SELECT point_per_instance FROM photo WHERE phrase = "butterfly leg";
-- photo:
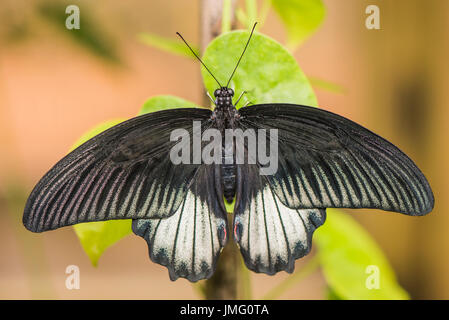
(241, 95)
(210, 98)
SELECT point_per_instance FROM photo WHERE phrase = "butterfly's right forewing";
(323, 160)
(328, 161)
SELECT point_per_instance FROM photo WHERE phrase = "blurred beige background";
(52, 90)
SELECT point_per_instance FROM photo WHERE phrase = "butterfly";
(323, 161)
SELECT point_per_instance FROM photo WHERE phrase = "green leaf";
(350, 259)
(229, 206)
(267, 72)
(165, 102)
(96, 237)
(174, 46)
(292, 280)
(331, 295)
(301, 18)
(94, 131)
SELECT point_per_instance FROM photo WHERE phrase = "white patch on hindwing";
(188, 242)
(271, 235)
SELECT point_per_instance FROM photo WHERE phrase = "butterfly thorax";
(225, 112)
(225, 115)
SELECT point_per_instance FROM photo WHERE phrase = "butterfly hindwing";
(189, 242)
(328, 161)
(271, 236)
(122, 173)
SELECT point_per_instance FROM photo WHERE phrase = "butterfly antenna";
(238, 62)
(199, 59)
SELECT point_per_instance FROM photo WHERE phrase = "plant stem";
(294, 279)
(251, 11)
(211, 19)
(226, 16)
(264, 12)
(223, 284)
(245, 282)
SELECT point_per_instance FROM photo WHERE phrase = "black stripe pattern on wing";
(122, 173)
(326, 160)
(270, 235)
(189, 242)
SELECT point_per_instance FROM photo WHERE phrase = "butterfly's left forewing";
(123, 173)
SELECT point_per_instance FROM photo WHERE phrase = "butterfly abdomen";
(228, 172)
(228, 178)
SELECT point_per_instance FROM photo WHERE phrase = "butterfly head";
(224, 92)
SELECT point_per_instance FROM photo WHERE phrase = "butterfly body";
(225, 115)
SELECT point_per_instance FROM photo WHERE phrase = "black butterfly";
(325, 161)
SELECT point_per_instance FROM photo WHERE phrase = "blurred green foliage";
(301, 18)
(165, 102)
(90, 35)
(173, 46)
(350, 259)
(326, 85)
